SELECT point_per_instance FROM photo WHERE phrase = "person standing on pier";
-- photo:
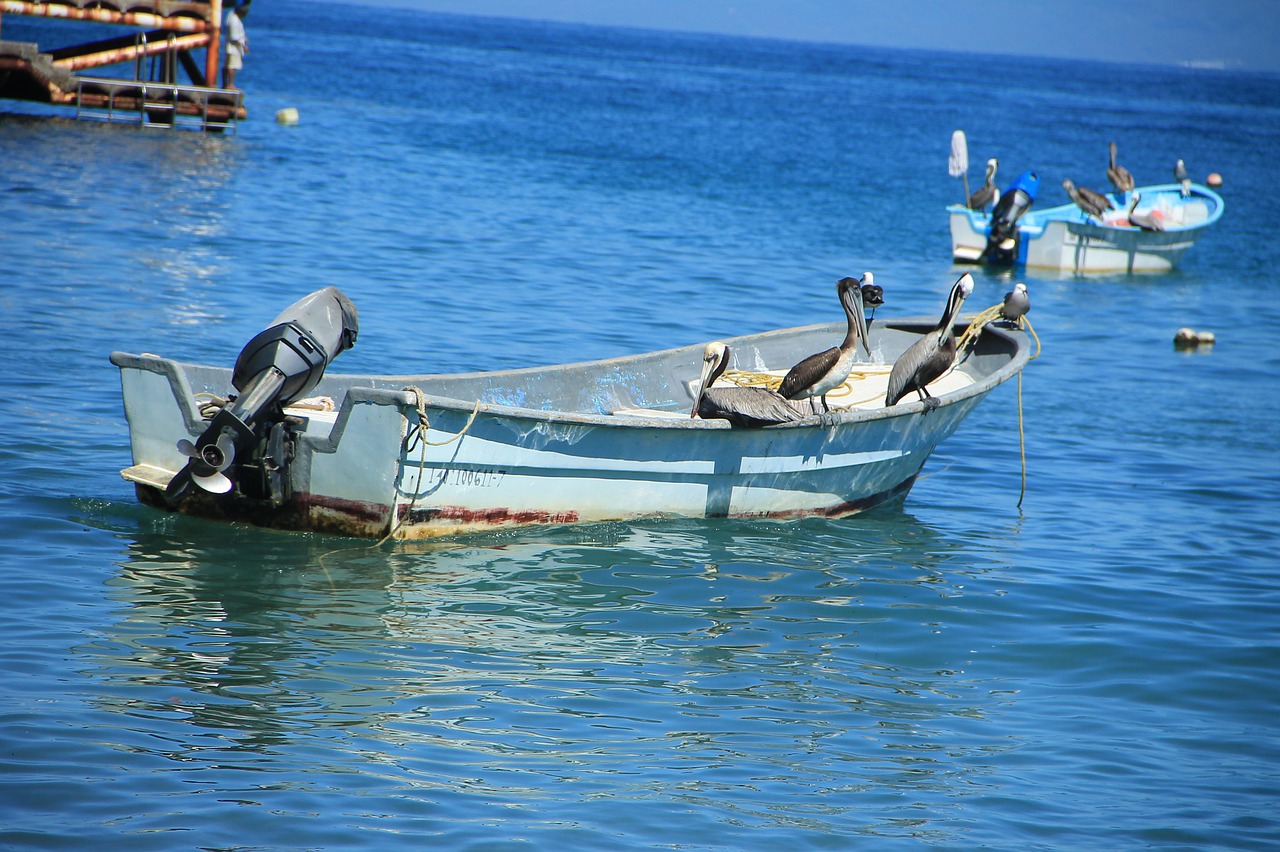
(237, 44)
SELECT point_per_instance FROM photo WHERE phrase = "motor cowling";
(250, 438)
(1002, 239)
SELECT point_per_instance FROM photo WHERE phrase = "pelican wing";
(926, 360)
(982, 196)
(748, 407)
(805, 374)
(1096, 200)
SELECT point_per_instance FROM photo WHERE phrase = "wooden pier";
(166, 38)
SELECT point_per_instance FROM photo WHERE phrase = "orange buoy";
(1214, 180)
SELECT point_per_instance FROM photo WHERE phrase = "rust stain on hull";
(305, 513)
(440, 521)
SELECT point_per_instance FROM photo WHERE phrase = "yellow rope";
(419, 437)
(749, 379)
(1027, 322)
(1022, 444)
(1022, 439)
(209, 404)
(967, 339)
(976, 325)
(752, 379)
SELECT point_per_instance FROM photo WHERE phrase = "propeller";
(215, 458)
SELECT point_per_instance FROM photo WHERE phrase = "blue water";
(1095, 670)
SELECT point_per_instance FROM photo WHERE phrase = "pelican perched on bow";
(1118, 174)
(821, 372)
(988, 193)
(1092, 203)
(1148, 221)
(1017, 303)
(750, 407)
(931, 355)
(1180, 175)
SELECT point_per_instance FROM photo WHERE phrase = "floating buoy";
(288, 115)
(1214, 180)
(1189, 338)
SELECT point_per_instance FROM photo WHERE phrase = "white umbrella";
(958, 165)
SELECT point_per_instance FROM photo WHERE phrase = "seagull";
(750, 407)
(931, 355)
(1092, 203)
(1148, 221)
(1016, 303)
(820, 373)
(872, 297)
(1180, 175)
(1118, 174)
(987, 193)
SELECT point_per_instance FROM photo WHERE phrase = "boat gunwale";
(1071, 214)
(407, 398)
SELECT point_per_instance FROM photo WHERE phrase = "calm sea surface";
(1097, 670)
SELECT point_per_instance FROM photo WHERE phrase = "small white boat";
(419, 456)
(1065, 238)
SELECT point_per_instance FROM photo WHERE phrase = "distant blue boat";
(1066, 238)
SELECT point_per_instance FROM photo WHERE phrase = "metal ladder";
(157, 104)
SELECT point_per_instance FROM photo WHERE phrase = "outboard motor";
(1002, 240)
(251, 437)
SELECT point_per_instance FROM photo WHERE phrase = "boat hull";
(429, 456)
(1064, 239)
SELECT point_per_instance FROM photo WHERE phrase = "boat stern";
(323, 483)
(969, 230)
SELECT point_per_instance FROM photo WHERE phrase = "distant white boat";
(1065, 238)
(419, 456)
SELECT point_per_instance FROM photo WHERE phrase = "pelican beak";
(860, 319)
(714, 359)
(857, 308)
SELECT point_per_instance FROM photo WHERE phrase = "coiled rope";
(753, 379)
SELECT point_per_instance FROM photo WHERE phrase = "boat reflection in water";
(492, 666)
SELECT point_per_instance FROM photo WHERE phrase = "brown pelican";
(819, 373)
(1118, 174)
(931, 355)
(1093, 203)
(750, 407)
(1146, 221)
(1180, 175)
(1016, 303)
(987, 193)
